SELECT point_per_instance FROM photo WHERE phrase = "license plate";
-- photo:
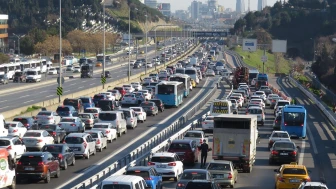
(180, 153)
(29, 141)
(161, 166)
(74, 149)
(218, 176)
(284, 154)
(294, 180)
(29, 168)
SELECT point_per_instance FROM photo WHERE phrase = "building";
(151, 3)
(195, 10)
(3, 32)
(164, 8)
(261, 4)
(240, 6)
(181, 14)
(213, 4)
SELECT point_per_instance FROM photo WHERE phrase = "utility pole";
(104, 61)
(146, 44)
(60, 50)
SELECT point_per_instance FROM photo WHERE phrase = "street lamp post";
(146, 44)
(165, 46)
(104, 39)
(18, 37)
(60, 49)
(171, 39)
(129, 45)
(155, 40)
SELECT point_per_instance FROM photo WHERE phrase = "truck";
(87, 71)
(194, 61)
(241, 75)
(235, 139)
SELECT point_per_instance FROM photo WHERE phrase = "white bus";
(185, 79)
(221, 107)
(192, 72)
(170, 92)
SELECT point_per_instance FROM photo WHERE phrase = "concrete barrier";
(52, 104)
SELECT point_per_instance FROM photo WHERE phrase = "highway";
(117, 149)
(40, 92)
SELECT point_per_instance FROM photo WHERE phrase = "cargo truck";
(241, 75)
(234, 139)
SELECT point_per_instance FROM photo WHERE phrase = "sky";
(184, 4)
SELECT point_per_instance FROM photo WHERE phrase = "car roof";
(139, 168)
(34, 131)
(93, 131)
(294, 166)
(195, 131)
(121, 179)
(34, 153)
(77, 134)
(220, 161)
(315, 184)
(280, 132)
(23, 117)
(184, 141)
(254, 107)
(195, 170)
(103, 123)
(159, 154)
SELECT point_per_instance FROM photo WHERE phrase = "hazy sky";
(184, 4)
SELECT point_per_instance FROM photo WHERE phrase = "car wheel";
(231, 186)
(88, 155)
(94, 152)
(47, 179)
(65, 165)
(58, 140)
(73, 161)
(142, 121)
(106, 145)
(100, 149)
(58, 173)
(176, 178)
(13, 184)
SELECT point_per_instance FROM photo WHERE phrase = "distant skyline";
(184, 4)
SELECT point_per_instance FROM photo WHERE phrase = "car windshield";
(193, 176)
(137, 109)
(193, 134)
(85, 100)
(32, 134)
(283, 145)
(255, 111)
(67, 120)
(179, 146)
(10, 125)
(199, 185)
(4, 142)
(52, 148)
(98, 126)
(85, 116)
(314, 187)
(283, 103)
(107, 116)
(74, 140)
(162, 159)
(94, 135)
(44, 113)
(143, 174)
(47, 127)
(146, 104)
(90, 111)
(116, 186)
(294, 171)
(280, 135)
(219, 166)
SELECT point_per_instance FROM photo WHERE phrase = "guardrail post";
(97, 178)
(83, 185)
(104, 175)
(90, 182)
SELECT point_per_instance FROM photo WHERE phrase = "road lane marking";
(66, 91)
(92, 84)
(3, 101)
(28, 101)
(80, 87)
(24, 96)
(4, 107)
(43, 91)
(134, 140)
(72, 84)
(49, 96)
(84, 81)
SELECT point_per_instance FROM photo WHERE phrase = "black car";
(107, 74)
(277, 122)
(28, 122)
(4, 79)
(150, 108)
(283, 152)
(62, 153)
(159, 104)
(54, 130)
(137, 65)
(75, 102)
(19, 77)
(202, 184)
(107, 105)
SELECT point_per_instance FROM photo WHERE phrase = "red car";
(185, 149)
(121, 90)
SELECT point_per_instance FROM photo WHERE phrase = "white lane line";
(72, 84)
(84, 81)
(49, 96)
(80, 87)
(28, 101)
(132, 142)
(312, 140)
(24, 96)
(92, 83)
(4, 107)
(302, 150)
(66, 91)
(3, 101)
(43, 91)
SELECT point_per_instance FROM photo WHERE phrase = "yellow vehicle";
(99, 64)
(291, 176)
(193, 83)
(142, 52)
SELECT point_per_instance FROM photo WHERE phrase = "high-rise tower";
(240, 6)
(261, 4)
(195, 10)
(213, 4)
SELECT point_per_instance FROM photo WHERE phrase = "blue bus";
(253, 74)
(185, 79)
(170, 92)
(294, 120)
(262, 79)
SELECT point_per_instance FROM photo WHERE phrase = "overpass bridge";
(182, 33)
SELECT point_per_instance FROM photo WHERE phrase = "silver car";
(131, 117)
(82, 144)
(88, 119)
(72, 124)
(100, 138)
(47, 117)
(223, 172)
(192, 174)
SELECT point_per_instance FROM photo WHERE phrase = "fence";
(159, 142)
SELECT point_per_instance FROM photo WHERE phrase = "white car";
(270, 98)
(208, 124)
(261, 94)
(260, 101)
(167, 164)
(128, 88)
(148, 96)
(109, 130)
(255, 110)
(116, 94)
(129, 99)
(15, 128)
(132, 62)
(195, 135)
(69, 68)
(36, 139)
(149, 65)
(278, 136)
(148, 80)
(72, 124)
(52, 71)
(94, 111)
(77, 69)
(210, 72)
(47, 117)
(109, 95)
(14, 146)
(140, 112)
(100, 138)
(136, 85)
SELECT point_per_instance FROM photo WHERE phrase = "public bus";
(100, 58)
(253, 74)
(170, 92)
(185, 79)
(262, 79)
(221, 107)
(192, 72)
(294, 120)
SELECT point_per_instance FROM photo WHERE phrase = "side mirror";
(298, 147)
(276, 170)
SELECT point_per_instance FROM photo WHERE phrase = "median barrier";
(326, 111)
(159, 142)
(54, 103)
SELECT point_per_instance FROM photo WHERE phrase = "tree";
(239, 25)
(4, 58)
(78, 40)
(51, 46)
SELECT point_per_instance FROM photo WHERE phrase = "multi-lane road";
(41, 92)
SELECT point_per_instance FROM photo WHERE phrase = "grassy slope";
(254, 59)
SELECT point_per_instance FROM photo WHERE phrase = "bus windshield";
(179, 79)
(165, 89)
(253, 75)
(190, 72)
(294, 118)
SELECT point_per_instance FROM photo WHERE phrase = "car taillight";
(204, 122)
(152, 108)
(123, 99)
(285, 124)
(302, 125)
(15, 130)
(201, 141)
(9, 147)
(230, 176)
(107, 131)
(180, 185)
(132, 119)
(293, 153)
(148, 178)
(150, 163)
(307, 180)
(19, 163)
(172, 164)
(40, 163)
(49, 118)
(276, 121)
(89, 121)
(59, 124)
(280, 179)
(53, 133)
(26, 124)
(98, 141)
(85, 144)
(139, 113)
(60, 156)
(96, 115)
(133, 98)
(73, 124)
(274, 152)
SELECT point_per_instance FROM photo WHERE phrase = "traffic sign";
(59, 91)
(103, 80)
(264, 58)
(62, 80)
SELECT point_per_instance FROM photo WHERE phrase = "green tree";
(4, 58)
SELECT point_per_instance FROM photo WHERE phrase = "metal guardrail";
(159, 142)
(329, 95)
(327, 112)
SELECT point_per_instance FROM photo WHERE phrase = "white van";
(124, 181)
(221, 107)
(116, 118)
(33, 75)
(192, 72)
